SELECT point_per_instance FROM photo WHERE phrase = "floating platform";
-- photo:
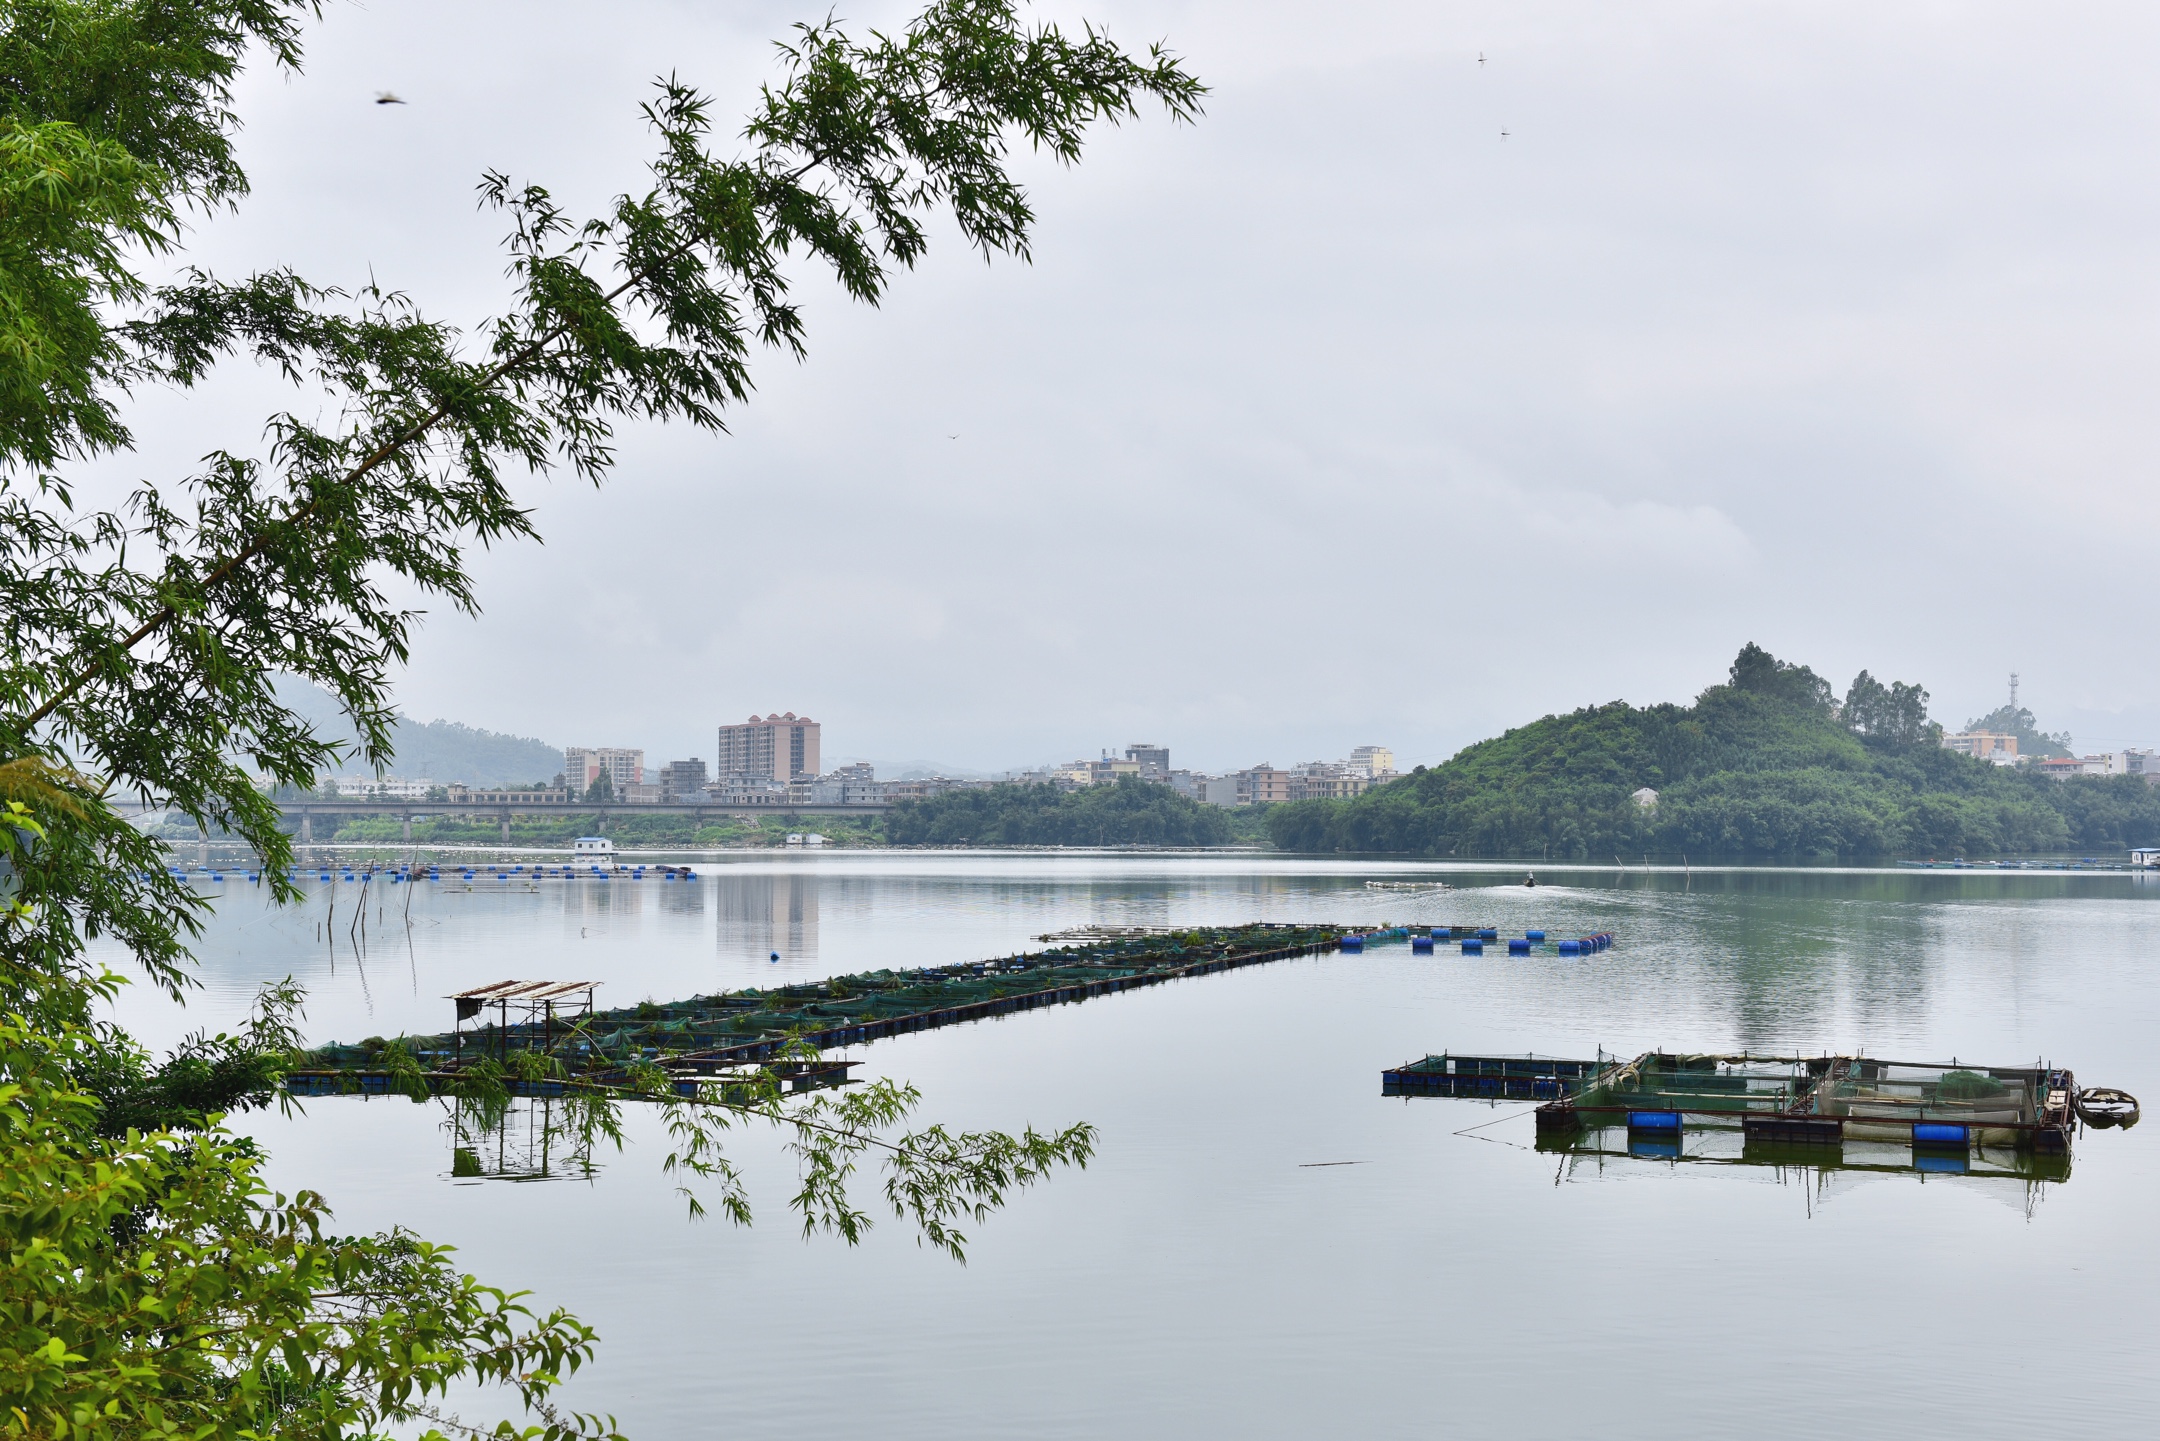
(1783, 1108)
(708, 1036)
(1490, 1078)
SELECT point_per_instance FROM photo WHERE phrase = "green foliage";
(1894, 715)
(1758, 672)
(114, 118)
(1760, 771)
(1131, 812)
(206, 1077)
(151, 1285)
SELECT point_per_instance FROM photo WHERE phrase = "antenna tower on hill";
(2013, 690)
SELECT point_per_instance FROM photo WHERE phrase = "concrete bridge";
(305, 811)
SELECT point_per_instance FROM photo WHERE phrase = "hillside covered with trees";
(1131, 812)
(447, 752)
(1769, 765)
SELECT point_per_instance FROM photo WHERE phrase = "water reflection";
(512, 1139)
(2016, 1178)
(764, 917)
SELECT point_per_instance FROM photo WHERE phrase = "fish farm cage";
(1933, 1115)
(772, 1027)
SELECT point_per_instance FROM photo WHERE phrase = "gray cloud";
(1338, 418)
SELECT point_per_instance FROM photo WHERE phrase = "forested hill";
(1767, 766)
(443, 751)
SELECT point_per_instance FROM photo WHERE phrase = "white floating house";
(592, 848)
(2147, 857)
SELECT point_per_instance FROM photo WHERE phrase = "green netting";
(1968, 1086)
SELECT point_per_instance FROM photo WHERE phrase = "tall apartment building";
(623, 766)
(682, 780)
(1154, 760)
(1371, 761)
(778, 747)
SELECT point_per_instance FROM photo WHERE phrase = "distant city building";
(1263, 785)
(1996, 747)
(622, 765)
(747, 791)
(850, 785)
(778, 747)
(1372, 761)
(1106, 770)
(683, 780)
(1326, 781)
(2061, 767)
(1224, 791)
(1189, 784)
(1153, 760)
(642, 794)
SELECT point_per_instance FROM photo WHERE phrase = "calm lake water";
(1206, 1275)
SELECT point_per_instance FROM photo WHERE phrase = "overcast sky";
(1403, 399)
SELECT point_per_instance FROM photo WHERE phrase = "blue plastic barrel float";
(1352, 945)
(1421, 945)
(1939, 1133)
(1473, 947)
(1571, 948)
(1533, 935)
(1653, 1120)
(1518, 948)
(1488, 935)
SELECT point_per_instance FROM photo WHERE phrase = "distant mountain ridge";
(448, 752)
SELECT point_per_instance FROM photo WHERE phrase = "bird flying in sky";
(384, 97)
